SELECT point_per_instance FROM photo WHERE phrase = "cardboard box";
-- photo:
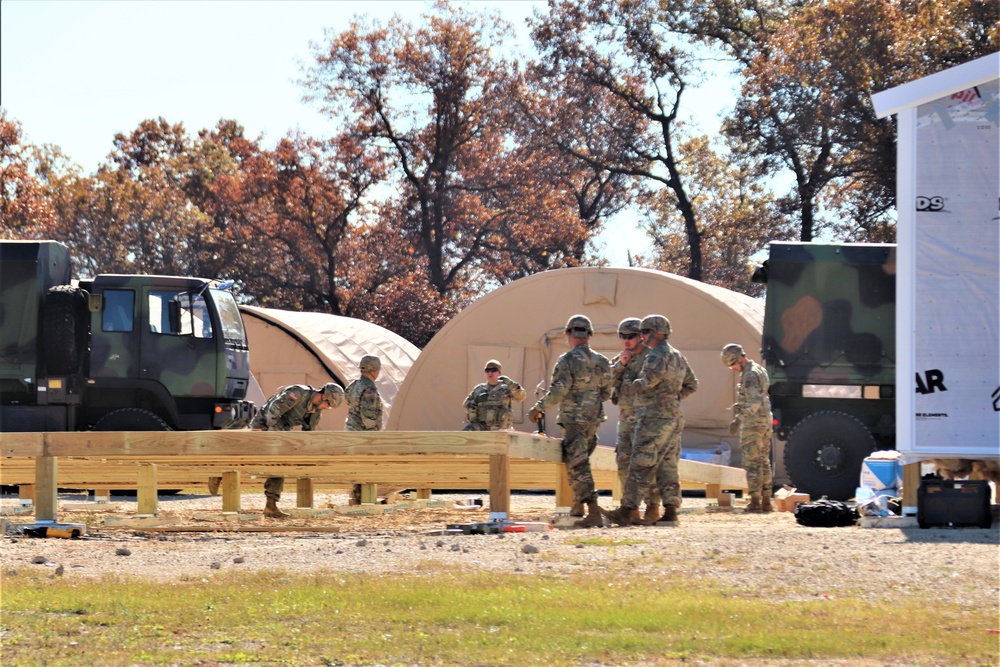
(786, 499)
(793, 500)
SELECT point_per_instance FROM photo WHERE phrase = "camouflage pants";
(656, 450)
(273, 486)
(623, 454)
(755, 440)
(578, 443)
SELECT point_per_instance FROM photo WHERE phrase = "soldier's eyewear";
(646, 331)
(492, 370)
(628, 336)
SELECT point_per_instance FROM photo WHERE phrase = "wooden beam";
(28, 445)
(146, 493)
(304, 493)
(214, 444)
(564, 492)
(46, 488)
(369, 494)
(499, 484)
(911, 484)
(231, 491)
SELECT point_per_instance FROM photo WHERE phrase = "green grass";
(450, 617)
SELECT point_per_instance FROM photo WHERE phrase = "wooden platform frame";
(498, 461)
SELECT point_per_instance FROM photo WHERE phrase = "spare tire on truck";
(64, 329)
(824, 454)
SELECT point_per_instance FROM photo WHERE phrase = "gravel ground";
(764, 555)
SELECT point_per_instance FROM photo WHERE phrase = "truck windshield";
(229, 315)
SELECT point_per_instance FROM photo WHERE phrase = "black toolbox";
(946, 502)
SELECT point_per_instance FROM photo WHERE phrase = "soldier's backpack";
(824, 513)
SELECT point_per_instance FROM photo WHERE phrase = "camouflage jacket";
(753, 404)
(364, 406)
(665, 379)
(290, 406)
(581, 382)
(622, 377)
(491, 406)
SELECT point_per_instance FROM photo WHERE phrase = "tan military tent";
(521, 325)
(288, 347)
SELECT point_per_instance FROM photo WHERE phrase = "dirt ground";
(760, 554)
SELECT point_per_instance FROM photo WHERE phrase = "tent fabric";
(521, 325)
(291, 347)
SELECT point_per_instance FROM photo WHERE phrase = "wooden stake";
(146, 494)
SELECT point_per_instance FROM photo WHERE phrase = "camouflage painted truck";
(116, 352)
(829, 346)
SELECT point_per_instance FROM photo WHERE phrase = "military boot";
(669, 517)
(754, 504)
(577, 509)
(652, 514)
(271, 510)
(623, 516)
(765, 504)
(594, 517)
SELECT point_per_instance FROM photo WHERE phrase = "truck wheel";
(64, 328)
(131, 419)
(824, 453)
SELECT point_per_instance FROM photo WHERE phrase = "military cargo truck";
(829, 347)
(116, 352)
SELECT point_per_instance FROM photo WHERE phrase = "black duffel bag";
(824, 513)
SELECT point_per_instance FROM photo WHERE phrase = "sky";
(74, 73)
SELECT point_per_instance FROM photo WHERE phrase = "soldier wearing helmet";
(664, 380)
(489, 406)
(364, 405)
(581, 382)
(752, 421)
(294, 405)
(624, 370)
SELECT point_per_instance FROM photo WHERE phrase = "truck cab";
(116, 352)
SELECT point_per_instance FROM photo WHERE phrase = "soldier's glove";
(535, 415)
(505, 379)
(734, 427)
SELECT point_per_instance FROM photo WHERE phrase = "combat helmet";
(657, 324)
(370, 362)
(580, 326)
(629, 325)
(731, 354)
(333, 394)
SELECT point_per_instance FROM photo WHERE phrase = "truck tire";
(131, 419)
(64, 329)
(824, 454)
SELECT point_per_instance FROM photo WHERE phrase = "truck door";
(114, 349)
(178, 342)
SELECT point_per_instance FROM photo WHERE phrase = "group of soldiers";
(647, 380)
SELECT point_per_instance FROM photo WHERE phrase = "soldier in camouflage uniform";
(753, 422)
(488, 407)
(581, 382)
(364, 404)
(665, 379)
(624, 370)
(294, 405)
